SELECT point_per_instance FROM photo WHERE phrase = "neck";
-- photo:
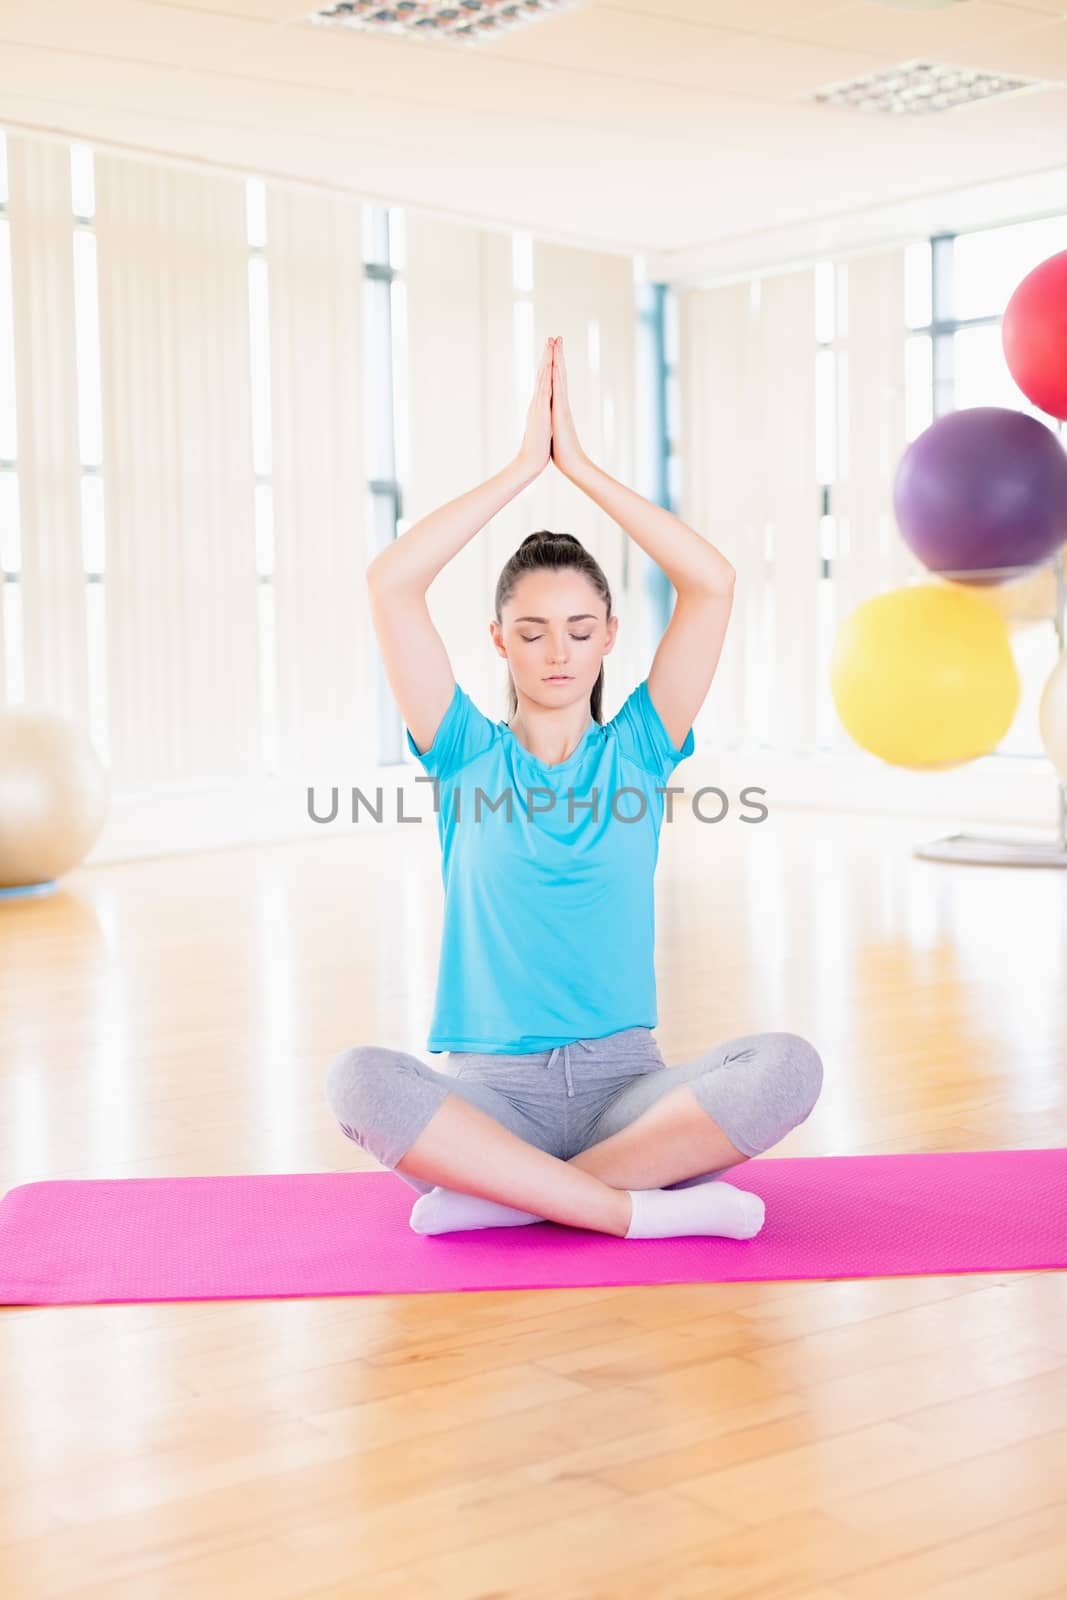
(548, 737)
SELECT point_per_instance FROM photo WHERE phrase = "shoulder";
(464, 733)
(642, 737)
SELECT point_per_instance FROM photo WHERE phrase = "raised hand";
(567, 453)
(537, 440)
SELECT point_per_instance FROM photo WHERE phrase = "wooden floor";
(868, 1438)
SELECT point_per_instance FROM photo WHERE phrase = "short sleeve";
(464, 732)
(643, 738)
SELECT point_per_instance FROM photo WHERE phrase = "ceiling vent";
(455, 21)
(916, 5)
(918, 87)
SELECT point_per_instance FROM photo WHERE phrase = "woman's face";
(555, 627)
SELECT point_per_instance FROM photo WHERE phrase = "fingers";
(552, 369)
(545, 375)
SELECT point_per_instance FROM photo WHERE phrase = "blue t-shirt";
(549, 918)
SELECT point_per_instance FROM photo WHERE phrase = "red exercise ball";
(1033, 332)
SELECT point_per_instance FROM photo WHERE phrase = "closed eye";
(532, 638)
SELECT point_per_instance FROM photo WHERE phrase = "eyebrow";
(581, 616)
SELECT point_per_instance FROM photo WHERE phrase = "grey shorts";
(756, 1087)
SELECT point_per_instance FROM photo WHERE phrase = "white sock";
(657, 1213)
(716, 1208)
(449, 1211)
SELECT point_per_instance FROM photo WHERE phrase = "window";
(90, 435)
(385, 411)
(831, 376)
(87, 376)
(658, 437)
(10, 531)
(262, 461)
(972, 278)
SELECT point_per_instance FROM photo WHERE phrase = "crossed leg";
(661, 1130)
(726, 1105)
(674, 1130)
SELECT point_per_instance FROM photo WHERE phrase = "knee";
(354, 1083)
(800, 1064)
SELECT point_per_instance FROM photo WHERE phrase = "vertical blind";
(180, 584)
(326, 716)
(184, 646)
(52, 572)
(748, 372)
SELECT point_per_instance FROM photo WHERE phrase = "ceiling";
(683, 130)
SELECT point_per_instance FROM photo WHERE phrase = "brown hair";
(556, 552)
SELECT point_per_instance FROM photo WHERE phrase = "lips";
(561, 679)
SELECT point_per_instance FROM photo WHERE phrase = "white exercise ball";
(1052, 718)
(54, 796)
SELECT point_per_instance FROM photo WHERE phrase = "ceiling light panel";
(916, 88)
(455, 21)
(916, 5)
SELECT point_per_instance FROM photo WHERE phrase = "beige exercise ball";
(1052, 718)
(54, 796)
(1027, 600)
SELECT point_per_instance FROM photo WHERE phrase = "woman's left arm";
(690, 561)
(688, 654)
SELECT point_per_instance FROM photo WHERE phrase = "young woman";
(558, 1104)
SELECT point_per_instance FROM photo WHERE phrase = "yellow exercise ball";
(1026, 600)
(54, 796)
(1052, 718)
(925, 677)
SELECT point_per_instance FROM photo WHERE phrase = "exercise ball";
(983, 489)
(1026, 600)
(1033, 332)
(1052, 718)
(924, 676)
(54, 796)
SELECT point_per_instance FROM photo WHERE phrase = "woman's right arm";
(413, 561)
(413, 652)
(416, 661)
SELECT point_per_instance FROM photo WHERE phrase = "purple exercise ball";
(981, 489)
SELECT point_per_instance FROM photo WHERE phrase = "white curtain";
(322, 644)
(748, 363)
(184, 657)
(182, 683)
(186, 662)
(52, 572)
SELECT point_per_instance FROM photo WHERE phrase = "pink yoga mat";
(76, 1242)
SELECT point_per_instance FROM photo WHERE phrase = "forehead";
(555, 596)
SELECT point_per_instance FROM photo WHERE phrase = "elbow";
(385, 575)
(720, 581)
(377, 572)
